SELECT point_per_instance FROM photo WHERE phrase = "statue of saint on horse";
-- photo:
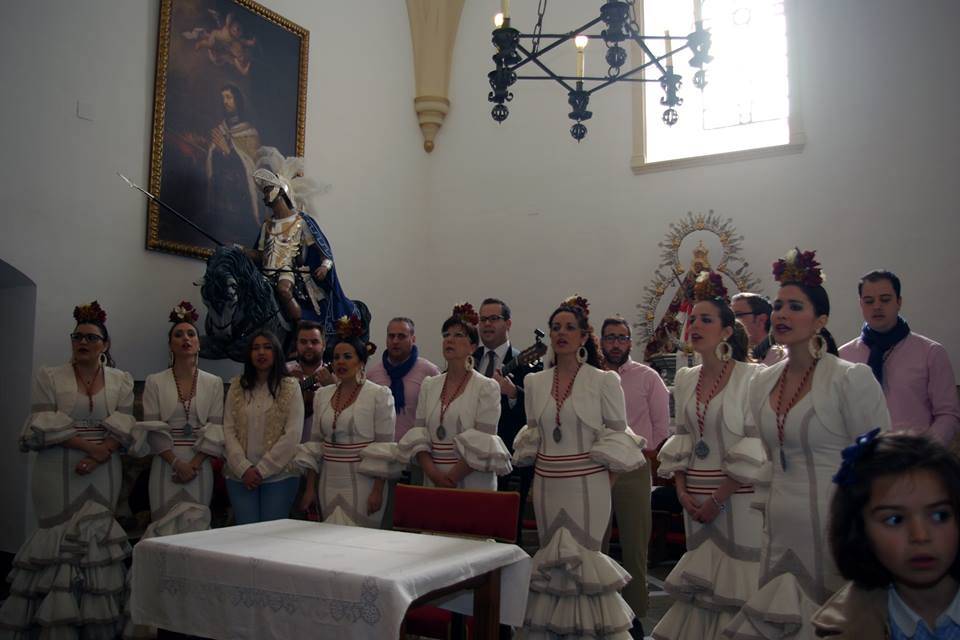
(288, 275)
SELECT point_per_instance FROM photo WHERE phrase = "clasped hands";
(705, 512)
(96, 454)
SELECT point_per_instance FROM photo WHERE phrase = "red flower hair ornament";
(466, 314)
(799, 267)
(349, 327)
(92, 312)
(184, 312)
(709, 285)
(578, 301)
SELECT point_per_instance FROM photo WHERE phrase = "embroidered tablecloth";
(295, 579)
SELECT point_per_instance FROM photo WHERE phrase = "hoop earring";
(723, 351)
(361, 376)
(817, 346)
(582, 354)
(103, 359)
(468, 363)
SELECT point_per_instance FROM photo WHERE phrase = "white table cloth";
(295, 579)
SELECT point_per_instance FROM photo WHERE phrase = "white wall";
(79, 233)
(517, 210)
(522, 211)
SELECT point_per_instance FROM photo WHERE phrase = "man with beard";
(914, 370)
(495, 352)
(309, 369)
(234, 142)
(648, 414)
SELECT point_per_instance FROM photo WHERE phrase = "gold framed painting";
(231, 79)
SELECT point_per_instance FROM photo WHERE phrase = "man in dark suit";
(490, 359)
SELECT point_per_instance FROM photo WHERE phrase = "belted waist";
(443, 452)
(568, 466)
(343, 452)
(705, 481)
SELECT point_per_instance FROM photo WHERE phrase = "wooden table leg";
(486, 607)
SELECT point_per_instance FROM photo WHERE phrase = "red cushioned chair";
(462, 512)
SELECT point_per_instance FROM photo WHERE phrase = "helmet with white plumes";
(285, 176)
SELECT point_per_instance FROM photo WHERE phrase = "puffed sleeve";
(210, 438)
(284, 449)
(121, 424)
(617, 447)
(481, 448)
(158, 437)
(236, 457)
(862, 402)
(379, 459)
(417, 439)
(45, 426)
(525, 446)
(746, 459)
(309, 456)
(527, 441)
(675, 453)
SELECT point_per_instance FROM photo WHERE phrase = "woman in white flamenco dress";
(454, 438)
(808, 408)
(715, 458)
(577, 438)
(351, 443)
(68, 579)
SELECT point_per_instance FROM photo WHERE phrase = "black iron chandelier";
(620, 25)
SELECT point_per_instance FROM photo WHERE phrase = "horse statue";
(240, 300)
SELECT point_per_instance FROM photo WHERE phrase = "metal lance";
(163, 204)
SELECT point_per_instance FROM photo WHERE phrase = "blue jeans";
(269, 501)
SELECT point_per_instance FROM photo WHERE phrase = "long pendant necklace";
(185, 402)
(339, 408)
(702, 450)
(782, 410)
(89, 385)
(446, 401)
(560, 399)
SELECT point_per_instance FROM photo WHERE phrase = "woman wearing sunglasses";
(69, 576)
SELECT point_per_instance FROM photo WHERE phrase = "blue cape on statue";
(337, 302)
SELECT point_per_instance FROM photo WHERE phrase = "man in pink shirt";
(914, 371)
(648, 414)
(402, 369)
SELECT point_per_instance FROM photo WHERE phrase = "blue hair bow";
(851, 455)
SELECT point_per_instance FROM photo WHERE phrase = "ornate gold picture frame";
(231, 79)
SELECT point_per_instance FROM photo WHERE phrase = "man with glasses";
(753, 311)
(648, 414)
(495, 352)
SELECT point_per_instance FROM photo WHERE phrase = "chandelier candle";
(581, 43)
(522, 56)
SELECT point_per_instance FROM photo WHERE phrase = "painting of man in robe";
(231, 79)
